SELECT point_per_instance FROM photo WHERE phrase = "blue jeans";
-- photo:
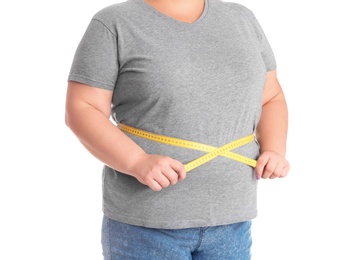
(128, 242)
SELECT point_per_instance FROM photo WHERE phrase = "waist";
(211, 152)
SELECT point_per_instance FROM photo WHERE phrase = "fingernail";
(258, 177)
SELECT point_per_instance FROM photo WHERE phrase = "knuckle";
(181, 167)
(147, 179)
(184, 173)
(146, 182)
(166, 184)
(277, 173)
(166, 159)
(269, 169)
(261, 160)
(173, 179)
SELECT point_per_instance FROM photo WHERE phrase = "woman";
(195, 70)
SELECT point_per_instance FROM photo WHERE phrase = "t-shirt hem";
(195, 223)
(89, 81)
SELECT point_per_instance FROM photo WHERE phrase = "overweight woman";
(180, 101)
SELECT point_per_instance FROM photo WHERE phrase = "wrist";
(133, 163)
(278, 152)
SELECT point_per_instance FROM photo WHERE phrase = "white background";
(50, 186)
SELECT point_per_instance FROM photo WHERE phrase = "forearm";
(273, 126)
(87, 114)
(103, 139)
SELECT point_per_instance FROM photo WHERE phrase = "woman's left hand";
(271, 165)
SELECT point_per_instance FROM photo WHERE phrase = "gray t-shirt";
(201, 82)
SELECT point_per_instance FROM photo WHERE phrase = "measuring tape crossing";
(212, 151)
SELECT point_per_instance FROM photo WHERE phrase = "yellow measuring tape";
(212, 151)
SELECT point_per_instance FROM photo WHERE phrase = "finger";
(162, 180)
(154, 185)
(261, 163)
(269, 169)
(285, 172)
(178, 167)
(171, 175)
(277, 171)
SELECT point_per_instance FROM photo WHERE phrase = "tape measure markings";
(213, 151)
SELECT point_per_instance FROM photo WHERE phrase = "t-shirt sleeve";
(266, 50)
(96, 61)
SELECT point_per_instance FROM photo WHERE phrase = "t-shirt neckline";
(171, 19)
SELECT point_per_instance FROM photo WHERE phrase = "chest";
(220, 61)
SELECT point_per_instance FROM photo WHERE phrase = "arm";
(272, 131)
(87, 115)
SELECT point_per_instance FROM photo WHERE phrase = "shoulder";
(112, 13)
(115, 16)
(234, 11)
(233, 7)
(238, 12)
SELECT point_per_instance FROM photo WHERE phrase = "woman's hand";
(157, 171)
(271, 165)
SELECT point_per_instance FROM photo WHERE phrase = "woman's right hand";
(157, 171)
